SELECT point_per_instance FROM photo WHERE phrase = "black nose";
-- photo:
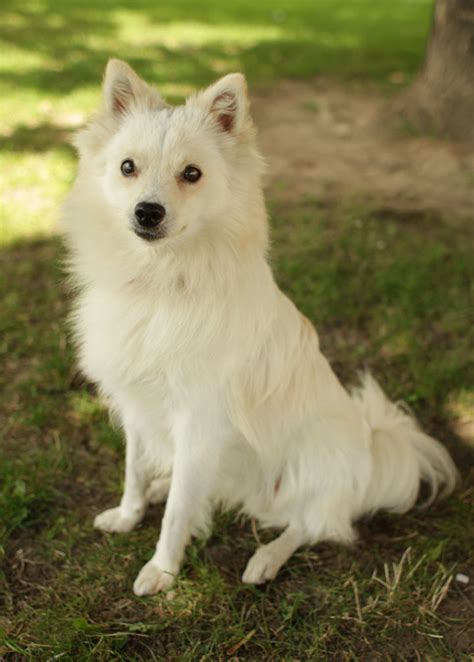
(149, 214)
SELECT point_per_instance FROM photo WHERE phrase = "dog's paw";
(262, 567)
(152, 579)
(114, 521)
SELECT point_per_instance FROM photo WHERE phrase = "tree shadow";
(40, 138)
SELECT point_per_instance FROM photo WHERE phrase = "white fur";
(216, 378)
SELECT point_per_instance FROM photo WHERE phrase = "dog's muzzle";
(148, 221)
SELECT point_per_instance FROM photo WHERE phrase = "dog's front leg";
(132, 507)
(198, 439)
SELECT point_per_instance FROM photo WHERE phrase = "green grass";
(388, 291)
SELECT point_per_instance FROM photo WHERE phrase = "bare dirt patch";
(328, 141)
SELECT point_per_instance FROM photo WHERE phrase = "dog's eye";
(191, 174)
(128, 168)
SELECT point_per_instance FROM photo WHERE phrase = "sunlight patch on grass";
(33, 187)
(85, 407)
(31, 107)
(135, 29)
(21, 60)
(460, 409)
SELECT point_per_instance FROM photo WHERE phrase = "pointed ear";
(227, 102)
(123, 88)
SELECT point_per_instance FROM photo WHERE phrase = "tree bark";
(441, 100)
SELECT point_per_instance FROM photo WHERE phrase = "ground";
(329, 140)
(372, 238)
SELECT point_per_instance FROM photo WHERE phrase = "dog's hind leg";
(267, 560)
(158, 490)
(133, 503)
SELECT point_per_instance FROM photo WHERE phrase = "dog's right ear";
(123, 89)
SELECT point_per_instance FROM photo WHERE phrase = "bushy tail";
(403, 455)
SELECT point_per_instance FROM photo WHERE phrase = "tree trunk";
(441, 100)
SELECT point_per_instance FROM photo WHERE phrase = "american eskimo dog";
(216, 378)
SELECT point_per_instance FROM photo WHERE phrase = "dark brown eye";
(128, 168)
(191, 174)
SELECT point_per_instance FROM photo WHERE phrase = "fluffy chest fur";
(172, 343)
(125, 339)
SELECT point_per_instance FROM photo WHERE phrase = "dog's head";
(169, 173)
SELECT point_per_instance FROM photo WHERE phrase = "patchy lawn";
(67, 589)
(388, 285)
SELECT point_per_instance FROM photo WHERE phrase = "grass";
(68, 589)
(386, 290)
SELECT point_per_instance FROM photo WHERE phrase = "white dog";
(216, 378)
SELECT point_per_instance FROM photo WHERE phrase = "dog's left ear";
(227, 102)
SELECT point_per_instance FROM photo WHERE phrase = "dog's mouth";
(150, 235)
